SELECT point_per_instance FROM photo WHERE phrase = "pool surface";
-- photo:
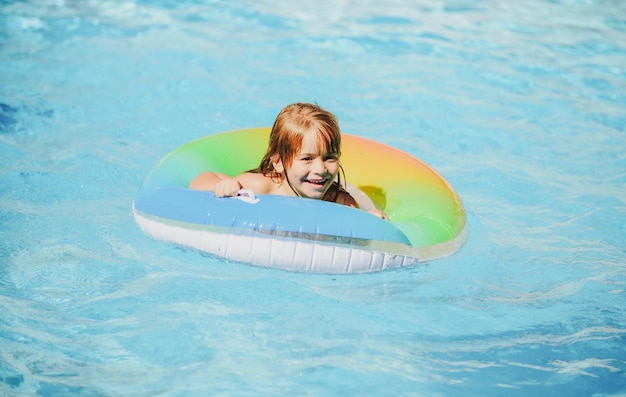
(520, 105)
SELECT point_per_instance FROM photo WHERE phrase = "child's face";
(312, 171)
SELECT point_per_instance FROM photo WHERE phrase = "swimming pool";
(521, 106)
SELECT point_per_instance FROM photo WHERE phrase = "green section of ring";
(416, 198)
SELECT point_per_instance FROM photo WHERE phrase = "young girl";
(302, 160)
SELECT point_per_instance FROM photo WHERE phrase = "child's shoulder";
(343, 197)
(346, 199)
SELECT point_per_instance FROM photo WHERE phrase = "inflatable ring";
(427, 219)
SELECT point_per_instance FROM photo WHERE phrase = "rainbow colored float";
(427, 219)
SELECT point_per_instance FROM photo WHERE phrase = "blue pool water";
(520, 105)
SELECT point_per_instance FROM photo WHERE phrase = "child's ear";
(278, 164)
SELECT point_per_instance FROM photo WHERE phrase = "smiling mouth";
(316, 182)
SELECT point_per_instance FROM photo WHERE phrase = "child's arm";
(227, 186)
(346, 198)
(207, 181)
(222, 184)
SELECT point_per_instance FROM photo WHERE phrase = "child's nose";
(319, 165)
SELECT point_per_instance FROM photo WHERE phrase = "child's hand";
(379, 213)
(227, 187)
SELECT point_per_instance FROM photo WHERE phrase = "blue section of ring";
(271, 213)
